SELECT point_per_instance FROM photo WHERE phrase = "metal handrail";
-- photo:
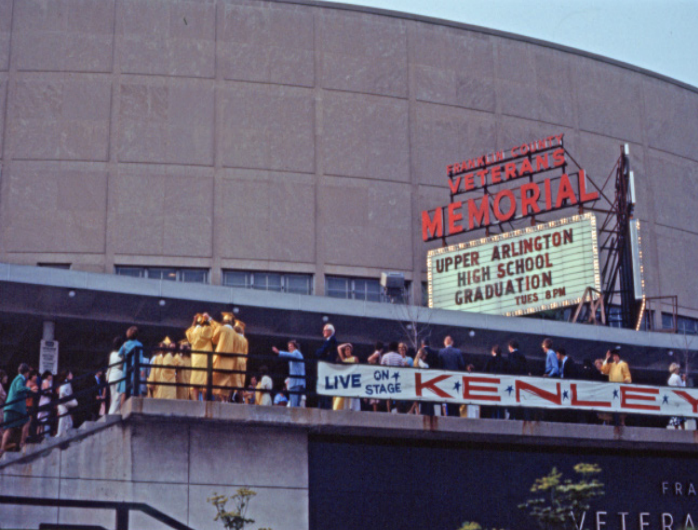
(122, 509)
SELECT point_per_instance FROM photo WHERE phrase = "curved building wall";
(274, 136)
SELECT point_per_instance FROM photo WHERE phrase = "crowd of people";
(180, 370)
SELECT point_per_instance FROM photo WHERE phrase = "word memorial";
(519, 272)
(409, 384)
(501, 201)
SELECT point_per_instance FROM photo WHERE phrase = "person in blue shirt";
(15, 410)
(128, 351)
(296, 370)
(552, 366)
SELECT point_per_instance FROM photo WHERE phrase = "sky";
(658, 35)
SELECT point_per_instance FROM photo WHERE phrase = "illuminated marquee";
(534, 269)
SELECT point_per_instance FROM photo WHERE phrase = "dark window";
(164, 273)
(367, 289)
(270, 281)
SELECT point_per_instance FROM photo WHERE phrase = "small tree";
(236, 519)
(565, 502)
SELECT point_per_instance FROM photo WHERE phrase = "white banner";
(409, 384)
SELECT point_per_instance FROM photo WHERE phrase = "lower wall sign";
(385, 382)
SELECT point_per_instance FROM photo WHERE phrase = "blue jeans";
(295, 399)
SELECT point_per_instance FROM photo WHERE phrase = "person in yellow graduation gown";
(184, 375)
(155, 367)
(226, 340)
(168, 371)
(239, 378)
(199, 336)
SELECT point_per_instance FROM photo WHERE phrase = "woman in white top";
(45, 399)
(265, 383)
(65, 420)
(676, 380)
(115, 372)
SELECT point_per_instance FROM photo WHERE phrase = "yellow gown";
(239, 379)
(168, 374)
(183, 377)
(154, 376)
(226, 341)
(200, 339)
(338, 402)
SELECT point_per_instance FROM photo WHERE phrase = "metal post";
(209, 376)
(136, 391)
(122, 518)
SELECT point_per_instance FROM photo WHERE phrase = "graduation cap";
(167, 341)
(240, 324)
(228, 317)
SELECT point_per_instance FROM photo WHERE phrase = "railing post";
(122, 518)
(209, 376)
(137, 353)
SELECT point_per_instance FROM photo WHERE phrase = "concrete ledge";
(402, 426)
(376, 425)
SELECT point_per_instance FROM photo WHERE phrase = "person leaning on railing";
(128, 352)
(15, 410)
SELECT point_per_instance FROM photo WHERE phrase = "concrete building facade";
(301, 137)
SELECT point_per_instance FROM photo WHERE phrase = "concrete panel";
(534, 83)
(672, 118)
(363, 53)
(256, 124)
(45, 466)
(171, 499)
(64, 35)
(553, 76)
(169, 38)
(88, 459)
(166, 121)
(188, 216)
(250, 458)
(267, 43)
(27, 516)
(261, 215)
(160, 452)
(155, 214)
(365, 136)
(59, 118)
(445, 135)
(277, 508)
(608, 100)
(673, 181)
(366, 223)
(675, 250)
(48, 209)
(5, 32)
(3, 99)
(453, 67)
(97, 490)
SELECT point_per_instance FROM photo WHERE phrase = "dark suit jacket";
(568, 370)
(517, 363)
(451, 358)
(328, 351)
(432, 357)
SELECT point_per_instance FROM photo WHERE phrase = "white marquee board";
(520, 272)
